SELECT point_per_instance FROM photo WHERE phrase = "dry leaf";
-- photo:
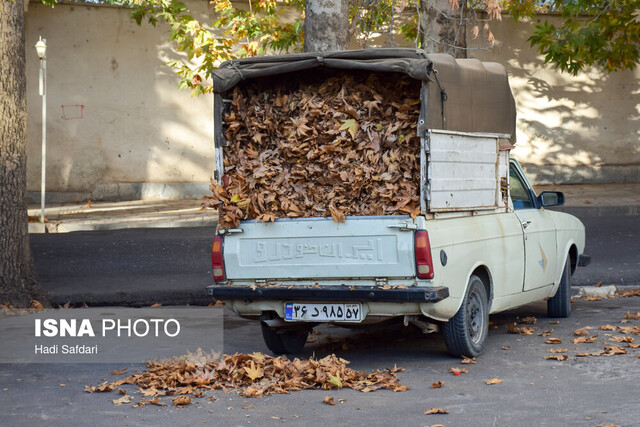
(554, 322)
(458, 371)
(613, 350)
(253, 371)
(468, 360)
(585, 339)
(530, 320)
(437, 384)
(329, 400)
(512, 328)
(558, 350)
(156, 305)
(506, 347)
(435, 411)
(553, 341)
(622, 339)
(123, 400)
(181, 400)
(36, 305)
(630, 315)
(119, 371)
(582, 332)
(492, 381)
(607, 328)
(560, 357)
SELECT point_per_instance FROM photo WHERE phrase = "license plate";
(318, 312)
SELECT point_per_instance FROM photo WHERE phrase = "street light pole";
(41, 49)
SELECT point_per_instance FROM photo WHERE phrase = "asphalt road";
(143, 266)
(581, 391)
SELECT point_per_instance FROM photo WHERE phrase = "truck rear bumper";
(327, 293)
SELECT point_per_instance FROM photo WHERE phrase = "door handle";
(525, 224)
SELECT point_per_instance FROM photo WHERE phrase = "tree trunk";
(326, 25)
(443, 29)
(17, 278)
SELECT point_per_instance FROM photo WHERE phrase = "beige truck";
(482, 243)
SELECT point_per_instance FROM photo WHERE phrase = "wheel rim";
(475, 316)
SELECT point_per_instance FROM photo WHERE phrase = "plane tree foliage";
(604, 33)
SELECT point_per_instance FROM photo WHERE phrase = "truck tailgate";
(319, 248)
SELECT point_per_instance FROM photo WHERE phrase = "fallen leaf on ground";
(458, 371)
(468, 360)
(595, 353)
(329, 400)
(582, 332)
(554, 322)
(123, 400)
(558, 350)
(437, 384)
(156, 305)
(630, 315)
(629, 329)
(512, 328)
(557, 357)
(529, 320)
(182, 400)
(553, 341)
(593, 298)
(613, 350)
(585, 339)
(622, 339)
(435, 411)
(119, 371)
(36, 305)
(492, 381)
(505, 347)
(637, 345)
(607, 328)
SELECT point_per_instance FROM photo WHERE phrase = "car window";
(519, 195)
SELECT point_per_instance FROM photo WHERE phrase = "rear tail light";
(424, 264)
(217, 261)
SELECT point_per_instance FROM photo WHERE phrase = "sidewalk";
(580, 200)
(121, 215)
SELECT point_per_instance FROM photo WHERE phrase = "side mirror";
(551, 198)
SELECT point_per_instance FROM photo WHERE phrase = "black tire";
(284, 341)
(560, 304)
(465, 334)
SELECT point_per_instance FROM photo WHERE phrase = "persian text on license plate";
(318, 312)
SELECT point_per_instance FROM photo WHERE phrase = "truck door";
(538, 232)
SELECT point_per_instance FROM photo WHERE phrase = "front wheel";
(465, 334)
(560, 304)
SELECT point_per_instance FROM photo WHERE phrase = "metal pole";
(43, 92)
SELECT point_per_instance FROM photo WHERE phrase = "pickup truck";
(484, 241)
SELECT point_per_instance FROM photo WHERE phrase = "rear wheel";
(465, 334)
(284, 341)
(560, 304)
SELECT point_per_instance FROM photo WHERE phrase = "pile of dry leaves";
(337, 146)
(255, 374)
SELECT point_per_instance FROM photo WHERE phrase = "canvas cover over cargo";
(478, 95)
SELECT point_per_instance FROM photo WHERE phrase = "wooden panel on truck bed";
(462, 171)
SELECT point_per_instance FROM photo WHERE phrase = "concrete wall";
(582, 129)
(118, 127)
